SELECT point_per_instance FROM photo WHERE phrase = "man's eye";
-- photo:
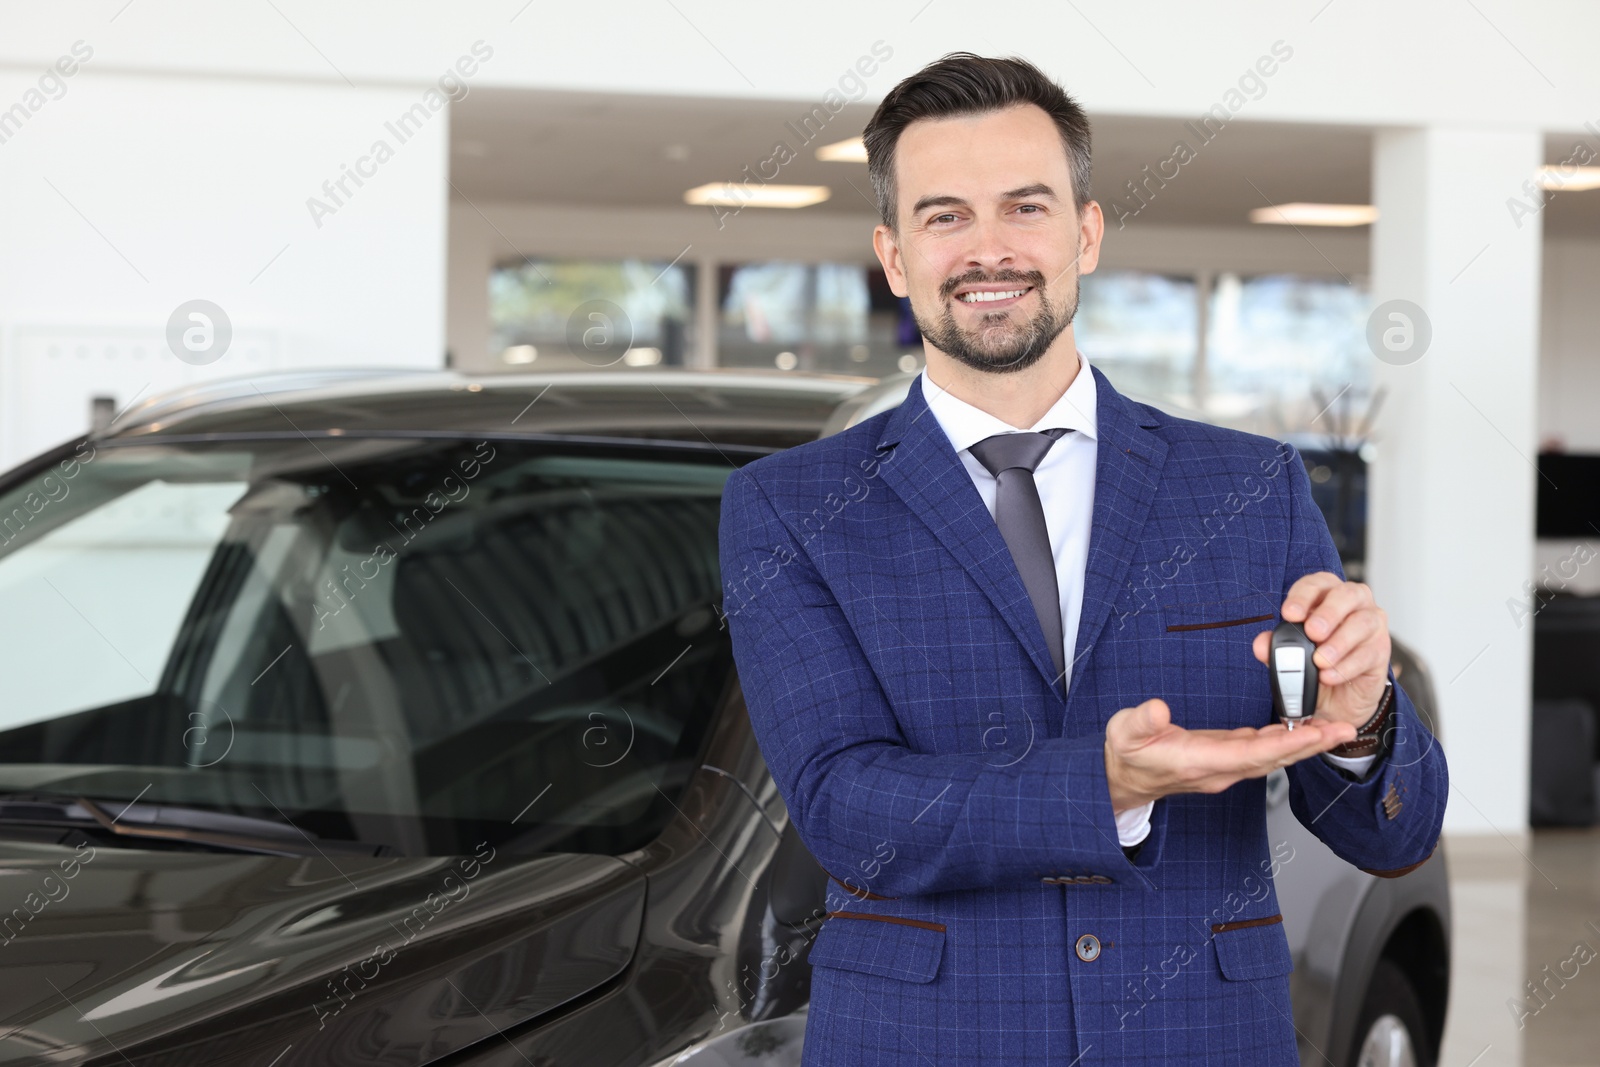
(941, 218)
(1030, 207)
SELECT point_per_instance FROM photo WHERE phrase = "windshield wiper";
(166, 822)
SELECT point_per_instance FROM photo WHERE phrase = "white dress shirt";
(1065, 480)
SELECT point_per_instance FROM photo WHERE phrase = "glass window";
(1142, 330)
(395, 642)
(590, 314)
(838, 318)
(1280, 348)
(150, 544)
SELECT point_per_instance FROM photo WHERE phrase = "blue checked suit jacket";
(900, 689)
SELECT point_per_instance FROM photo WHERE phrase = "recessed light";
(1299, 214)
(1569, 179)
(520, 354)
(853, 150)
(642, 357)
(731, 194)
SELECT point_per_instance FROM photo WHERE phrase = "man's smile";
(992, 296)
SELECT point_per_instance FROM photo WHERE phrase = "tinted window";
(419, 644)
(573, 314)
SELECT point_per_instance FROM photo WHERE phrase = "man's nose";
(990, 248)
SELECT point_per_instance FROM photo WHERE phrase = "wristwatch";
(1371, 738)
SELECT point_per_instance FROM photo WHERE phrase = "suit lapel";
(925, 472)
(1128, 462)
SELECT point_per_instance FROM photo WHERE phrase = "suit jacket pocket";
(884, 945)
(1247, 952)
(1251, 613)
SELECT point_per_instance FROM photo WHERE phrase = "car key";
(1294, 676)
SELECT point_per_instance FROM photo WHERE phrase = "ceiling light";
(852, 151)
(642, 357)
(520, 354)
(1568, 178)
(1315, 214)
(731, 194)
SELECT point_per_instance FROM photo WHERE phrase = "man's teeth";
(978, 298)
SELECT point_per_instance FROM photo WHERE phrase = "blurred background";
(1372, 229)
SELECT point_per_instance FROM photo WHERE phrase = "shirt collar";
(966, 424)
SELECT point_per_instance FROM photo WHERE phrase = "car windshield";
(420, 644)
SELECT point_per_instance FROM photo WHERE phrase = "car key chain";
(1294, 676)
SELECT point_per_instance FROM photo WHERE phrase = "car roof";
(763, 408)
(759, 408)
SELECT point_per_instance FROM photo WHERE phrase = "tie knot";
(1023, 449)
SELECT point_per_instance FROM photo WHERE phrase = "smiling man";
(1013, 691)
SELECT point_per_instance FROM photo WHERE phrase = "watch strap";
(1371, 738)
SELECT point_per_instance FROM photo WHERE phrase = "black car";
(361, 719)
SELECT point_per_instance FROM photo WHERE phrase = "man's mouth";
(992, 296)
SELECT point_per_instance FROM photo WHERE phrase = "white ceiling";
(512, 146)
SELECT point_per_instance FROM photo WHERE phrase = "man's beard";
(994, 346)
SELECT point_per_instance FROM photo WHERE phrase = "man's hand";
(1148, 757)
(1352, 637)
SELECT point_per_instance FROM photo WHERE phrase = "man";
(997, 649)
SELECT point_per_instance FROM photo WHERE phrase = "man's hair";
(962, 83)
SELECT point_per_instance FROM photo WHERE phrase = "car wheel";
(1392, 1031)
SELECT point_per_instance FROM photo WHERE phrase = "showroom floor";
(1523, 905)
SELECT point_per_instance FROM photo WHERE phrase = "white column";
(704, 353)
(1452, 489)
(472, 248)
(1200, 374)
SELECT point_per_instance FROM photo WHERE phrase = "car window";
(420, 644)
(150, 545)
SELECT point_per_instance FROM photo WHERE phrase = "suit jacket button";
(1100, 879)
(1088, 947)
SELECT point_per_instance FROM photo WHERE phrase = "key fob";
(1294, 676)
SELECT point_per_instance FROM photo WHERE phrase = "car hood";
(153, 957)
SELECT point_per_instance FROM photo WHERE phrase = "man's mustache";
(1031, 278)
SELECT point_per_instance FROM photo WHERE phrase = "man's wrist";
(1372, 736)
(1121, 800)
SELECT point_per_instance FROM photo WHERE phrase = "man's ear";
(1091, 231)
(888, 250)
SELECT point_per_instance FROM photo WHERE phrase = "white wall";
(1355, 61)
(131, 194)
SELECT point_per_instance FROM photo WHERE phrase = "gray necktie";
(1011, 458)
